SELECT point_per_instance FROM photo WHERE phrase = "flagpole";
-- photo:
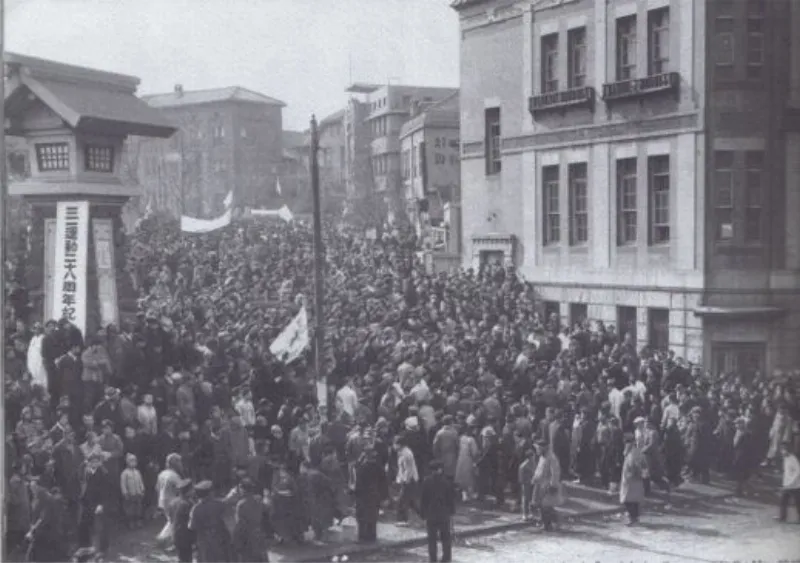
(319, 260)
(3, 231)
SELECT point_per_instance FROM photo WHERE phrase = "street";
(722, 530)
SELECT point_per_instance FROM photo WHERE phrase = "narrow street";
(722, 530)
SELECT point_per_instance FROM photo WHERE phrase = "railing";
(552, 101)
(639, 87)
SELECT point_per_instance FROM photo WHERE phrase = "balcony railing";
(641, 87)
(555, 101)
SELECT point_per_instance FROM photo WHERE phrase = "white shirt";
(791, 472)
(406, 467)
(247, 411)
(35, 362)
(347, 400)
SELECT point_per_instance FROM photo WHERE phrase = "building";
(332, 155)
(388, 108)
(431, 166)
(229, 138)
(656, 189)
(358, 162)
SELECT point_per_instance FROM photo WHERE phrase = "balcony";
(639, 88)
(560, 101)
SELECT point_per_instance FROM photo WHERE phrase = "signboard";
(49, 265)
(71, 253)
(106, 278)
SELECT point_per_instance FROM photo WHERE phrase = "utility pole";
(323, 392)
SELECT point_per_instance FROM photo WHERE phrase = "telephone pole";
(323, 392)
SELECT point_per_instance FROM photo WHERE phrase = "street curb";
(368, 549)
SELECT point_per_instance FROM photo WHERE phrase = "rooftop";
(181, 97)
(85, 98)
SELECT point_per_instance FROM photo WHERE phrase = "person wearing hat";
(437, 507)
(631, 489)
(547, 488)
(207, 521)
(96, 487)
(699, 446)
(96, 370)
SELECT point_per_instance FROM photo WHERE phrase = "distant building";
(358, 162)
(229, 138)
(388, 108)
(430, 165)
(332, 155)
(293, 177)
(639, 162)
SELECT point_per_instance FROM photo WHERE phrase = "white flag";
(228, 201)
(284, 213)
(278, 186)
(294, 339)
(194, 225)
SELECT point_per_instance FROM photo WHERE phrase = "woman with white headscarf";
(168, 491)
(35, 362)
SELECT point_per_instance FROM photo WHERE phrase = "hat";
(203, 486)
(697, 410)
(412, 423)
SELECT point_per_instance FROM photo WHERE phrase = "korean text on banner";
(71, 257)
(193, 225)
(294, 339)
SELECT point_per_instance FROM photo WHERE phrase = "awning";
(740, 313)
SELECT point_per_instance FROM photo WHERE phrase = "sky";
(302, 52)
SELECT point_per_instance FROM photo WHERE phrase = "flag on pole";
(278, 189)
(194, 225)
(294, 339)
(284, 213)
(228, 201)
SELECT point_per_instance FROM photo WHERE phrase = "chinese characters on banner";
(71, 252)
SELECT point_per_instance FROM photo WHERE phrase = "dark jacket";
(248, 532)
(438, 498)
(213, 539)
(184, 537)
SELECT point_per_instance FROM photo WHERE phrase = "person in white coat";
(631, 489)
(547, 488)
(790, 488)
(35, 362)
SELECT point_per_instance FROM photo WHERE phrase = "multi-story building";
(229, 138)
(639, 161)
(332, 155)
(358, 164)
(389, 106)
(430, 163)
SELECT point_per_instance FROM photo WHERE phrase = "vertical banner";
(49, 266)
(71, 254)
(103, 233)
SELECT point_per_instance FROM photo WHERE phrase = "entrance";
(492, 258)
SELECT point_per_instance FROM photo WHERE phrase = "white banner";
(102, 229)
(284, 213)
(71, 256)
(193, 225)
(291, 343)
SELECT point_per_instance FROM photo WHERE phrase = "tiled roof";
(84, 98)
(194, 97)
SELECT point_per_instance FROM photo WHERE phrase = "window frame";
(53, 157)
(91, 162)
(658, 26)
(750, 207)
(578, 177)
(577, 57)
(551, 205)
(626, 41)
(549, 46)
(627, 216)
(719, 207)
(659, 230)
(755, 25)
(493, 132)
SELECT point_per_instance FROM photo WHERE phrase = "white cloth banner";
(294, 339)
(228, 201)
(284, 213)
(194, 225)
(72, 251)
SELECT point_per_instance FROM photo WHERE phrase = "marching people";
(437, 507)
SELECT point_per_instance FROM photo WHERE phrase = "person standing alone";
(437, 506)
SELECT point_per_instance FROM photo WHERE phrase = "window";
(493, 159)
(440, 158)
(99, 158)
(626, 48)
(52, 157)
(218, 133)
(658, 179)
(576, 40)
(723, 46)
(626, 322)
(552, 217)
(420, 158)
(626, 201)
(578, 204)
(658, 33)
(755, 38)
(658, 329)
(578, 313)
(754, 174)
(413, 163)
(723, 190)
(406, 162)
(550, 63)
(741, 358)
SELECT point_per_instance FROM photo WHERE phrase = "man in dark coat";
(370, 484)
(52, 349)
(742, 463)
(46, 537)
(68, 464)
(249, 542)
(95, 491)
(207, 521)
(437, 506)
(184, 537)
(69, 368)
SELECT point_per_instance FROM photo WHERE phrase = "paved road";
(723, 530)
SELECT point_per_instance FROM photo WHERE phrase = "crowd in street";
(448, 388)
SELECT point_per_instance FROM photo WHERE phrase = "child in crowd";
(132, 486)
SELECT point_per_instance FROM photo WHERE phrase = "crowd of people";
(182, 412)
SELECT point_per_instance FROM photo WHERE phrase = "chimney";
(179, 90)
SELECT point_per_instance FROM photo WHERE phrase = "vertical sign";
(71, 253)
(106, 274)
(49, 266)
